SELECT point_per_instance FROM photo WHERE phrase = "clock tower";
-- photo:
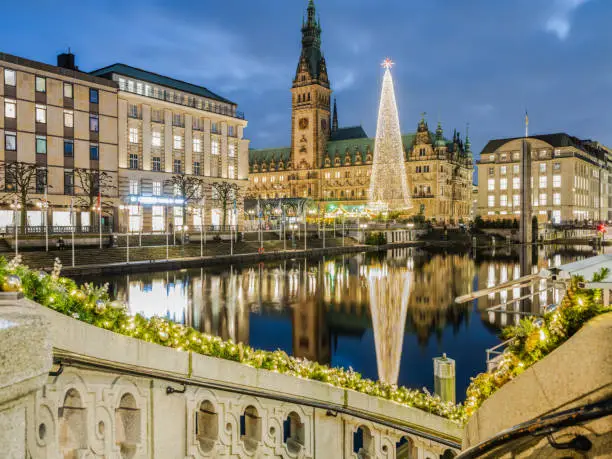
(310, 92)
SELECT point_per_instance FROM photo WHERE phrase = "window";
(94, 153)
(256, 179)
(156, 139)
(503, 200)
(491, 171)
(148, 90)
(177, 190)
(41, 114)
(556, 181)
(491, 184)
(93, 96)
(68, 90)
(156, 163)
(491, 157)
(133, 186)
(68, 148)
(516, 200)
(337, 175)
(133, 135)
(41, 179)
(197, 145)
(214, 147)
(231, 171)
(542, 199)
(139, 87)
(178, 216)
(157, 218)
(41, 145)
(177, 166)
(68, 118)
(196, 168)
(556, 166)
(130, 86)
(214, 128)
(542, 168)
(10, 77)
(41, 84)
(231, 151)
(157, 188)
(69, 182)
(502, 170)
(515, 169)
(230, 131)
(10, 108)
(94, 123)
(10, 141)
(491, 200)
(543, 181)
(503, 184)
(133, 111)
(516, 183)
(133, 161)
(556, 199)
(178, 142)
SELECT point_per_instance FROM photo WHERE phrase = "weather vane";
(387, 63)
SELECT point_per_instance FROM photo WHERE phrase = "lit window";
(41, 114)
(139, 88)
(491, 200)
(41, 84)
(10, 78)
(503, 184)
(327, 175)
(177, 166)
(94, 125)
(68, 118)
(133, 186)
(281, 178)
(542, 199)
(156, 139)
(337, 174)
(502, 170)
(543, 181)
(272, 179)
(556, 166)
(68, 90)
(491, 184)
(197, 145)
(10, 141)
(556, 181)
(263, 180)
(214, 147)
(503, 200)
(122, 84)
(542, 168)
(178, 142)
(491, 157)
(157, 188)
(133, 135)
(133, 161)
(148, 90)
(10, 108)
(230, 131)
(516, 200)
(556, 199)
(231, 151)
(177, 189)
(515, 169)
(41, 145)
(130, 86)
(156, 163)
(230, 171)
(516, 183)
(256, 180)
(93, 96)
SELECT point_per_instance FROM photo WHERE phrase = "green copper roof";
(268, 154)
(352, 132)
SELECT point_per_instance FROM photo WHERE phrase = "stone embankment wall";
(112, 396)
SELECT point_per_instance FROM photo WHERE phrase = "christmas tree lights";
(388, 183)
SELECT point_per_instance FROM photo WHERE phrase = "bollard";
(444, 378)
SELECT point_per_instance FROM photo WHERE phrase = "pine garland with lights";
(94, 306)
(533, 339)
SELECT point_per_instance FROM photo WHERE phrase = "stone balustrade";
(113, 396)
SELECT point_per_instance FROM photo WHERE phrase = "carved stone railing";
(113, 396)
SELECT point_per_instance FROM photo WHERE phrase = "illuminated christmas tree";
(388, 184)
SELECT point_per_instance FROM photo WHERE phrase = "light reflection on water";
(386, 315)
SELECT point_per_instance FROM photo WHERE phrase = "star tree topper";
(387, 63)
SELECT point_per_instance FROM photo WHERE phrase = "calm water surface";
(386, 315)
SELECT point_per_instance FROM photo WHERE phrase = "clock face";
(303, 123)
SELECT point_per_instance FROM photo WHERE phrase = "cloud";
(559, 22)
(344, 81)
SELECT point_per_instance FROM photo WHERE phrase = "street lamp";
(126, 208)
(363, 227)
(16, 206)
(44, 205)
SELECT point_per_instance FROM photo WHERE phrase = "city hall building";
(332, 165)
(570, 179)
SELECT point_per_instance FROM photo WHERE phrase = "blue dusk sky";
(481, 62)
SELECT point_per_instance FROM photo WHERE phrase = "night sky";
(481, 62)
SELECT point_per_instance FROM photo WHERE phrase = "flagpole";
(73, 222)
(100, 216)
(46, 211)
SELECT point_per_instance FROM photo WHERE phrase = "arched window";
(250, 428)
(127, 426)
(72, 425)
(293, 433)
(308, 97)
(206, 426)
(405, 449)
(363, 444)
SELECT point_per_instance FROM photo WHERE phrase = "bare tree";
(19, 182)
(190, 188)
(224, 193)
(91, 182)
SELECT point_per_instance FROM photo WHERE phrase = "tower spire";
(526, 124)
(335, 118)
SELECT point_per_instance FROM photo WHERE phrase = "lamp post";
(363, 228)
(167, 234)
(44, 206)
(16, 206)
(202, 231)
(126, 208)
(72, 225)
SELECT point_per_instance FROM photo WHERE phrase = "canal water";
(386, 315)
